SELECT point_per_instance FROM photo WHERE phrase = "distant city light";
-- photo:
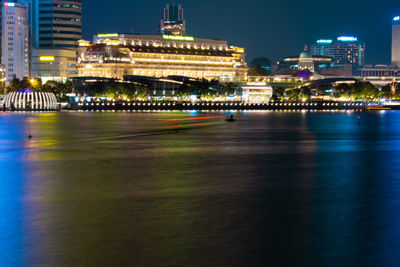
(396, 18)
(347, 39)
(324, 41)
(107, 35)
(46, 58)
(178, 38)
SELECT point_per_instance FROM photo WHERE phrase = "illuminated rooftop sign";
(9, 4)
(46, 58)
(105, 35)
(347, 39)
(396, 18)
(178, 38)
(324, 41)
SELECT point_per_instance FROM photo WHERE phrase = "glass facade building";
(344, 50)
(56, 27)
(56, 23)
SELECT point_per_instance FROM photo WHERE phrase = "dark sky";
(275, 28)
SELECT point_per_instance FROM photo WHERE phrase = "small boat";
(231, 118)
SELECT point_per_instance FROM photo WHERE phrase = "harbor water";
(190, 189)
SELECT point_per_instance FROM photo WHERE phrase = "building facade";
(396, 41)
(380, 71)
(167, 41)
(56, 23)
(15, 40)
(256, 92)
(173, 22)
(56, 28)
(345, 50)
(305, 62)
(54, 64)
(322, 47)
(116, 56)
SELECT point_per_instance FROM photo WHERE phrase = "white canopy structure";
(30, 101)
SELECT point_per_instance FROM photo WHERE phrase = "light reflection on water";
(112, 189)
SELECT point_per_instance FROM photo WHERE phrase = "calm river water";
(189, 189)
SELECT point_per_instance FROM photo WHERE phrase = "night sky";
(274, 29)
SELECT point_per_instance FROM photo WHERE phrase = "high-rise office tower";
(173, 22)
(56, 23)
(348, 50)
(56, 30)
(15, 40)
(323, 47)
(396, 41)
(345, 50)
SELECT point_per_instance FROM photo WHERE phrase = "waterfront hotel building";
(344, 50)
(118, 55)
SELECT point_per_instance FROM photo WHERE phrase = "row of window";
(60, 25)
(67, 19)
(67, 12)
(60, 12)
(61, 5)
(60, 32)
(60, 19)
(56, 45)
(67, 6)
(59, 39)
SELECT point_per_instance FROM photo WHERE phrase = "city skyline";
(253, 29)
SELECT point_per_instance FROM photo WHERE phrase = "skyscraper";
(56, 30)
(56, 23)
(173, 22)
(323, 47)
(396, 41)
(15, 40)
(345, 50)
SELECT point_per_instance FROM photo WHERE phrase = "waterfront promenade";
(93, 106)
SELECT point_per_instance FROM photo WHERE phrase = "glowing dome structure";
(30, 101)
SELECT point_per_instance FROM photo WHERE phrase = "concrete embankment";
(92, 106)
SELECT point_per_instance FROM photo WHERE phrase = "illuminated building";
(56, 28)
(173, 22)
(323, 47)
(119, 55)
(345, 50)
(56, 23)
(174, 41)
(306, 62)
(349, 50)
(380, 71)
(256, 92)
(15, 40)
(30, 101)
(54, 64)
(396, 41)
(2, 78)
